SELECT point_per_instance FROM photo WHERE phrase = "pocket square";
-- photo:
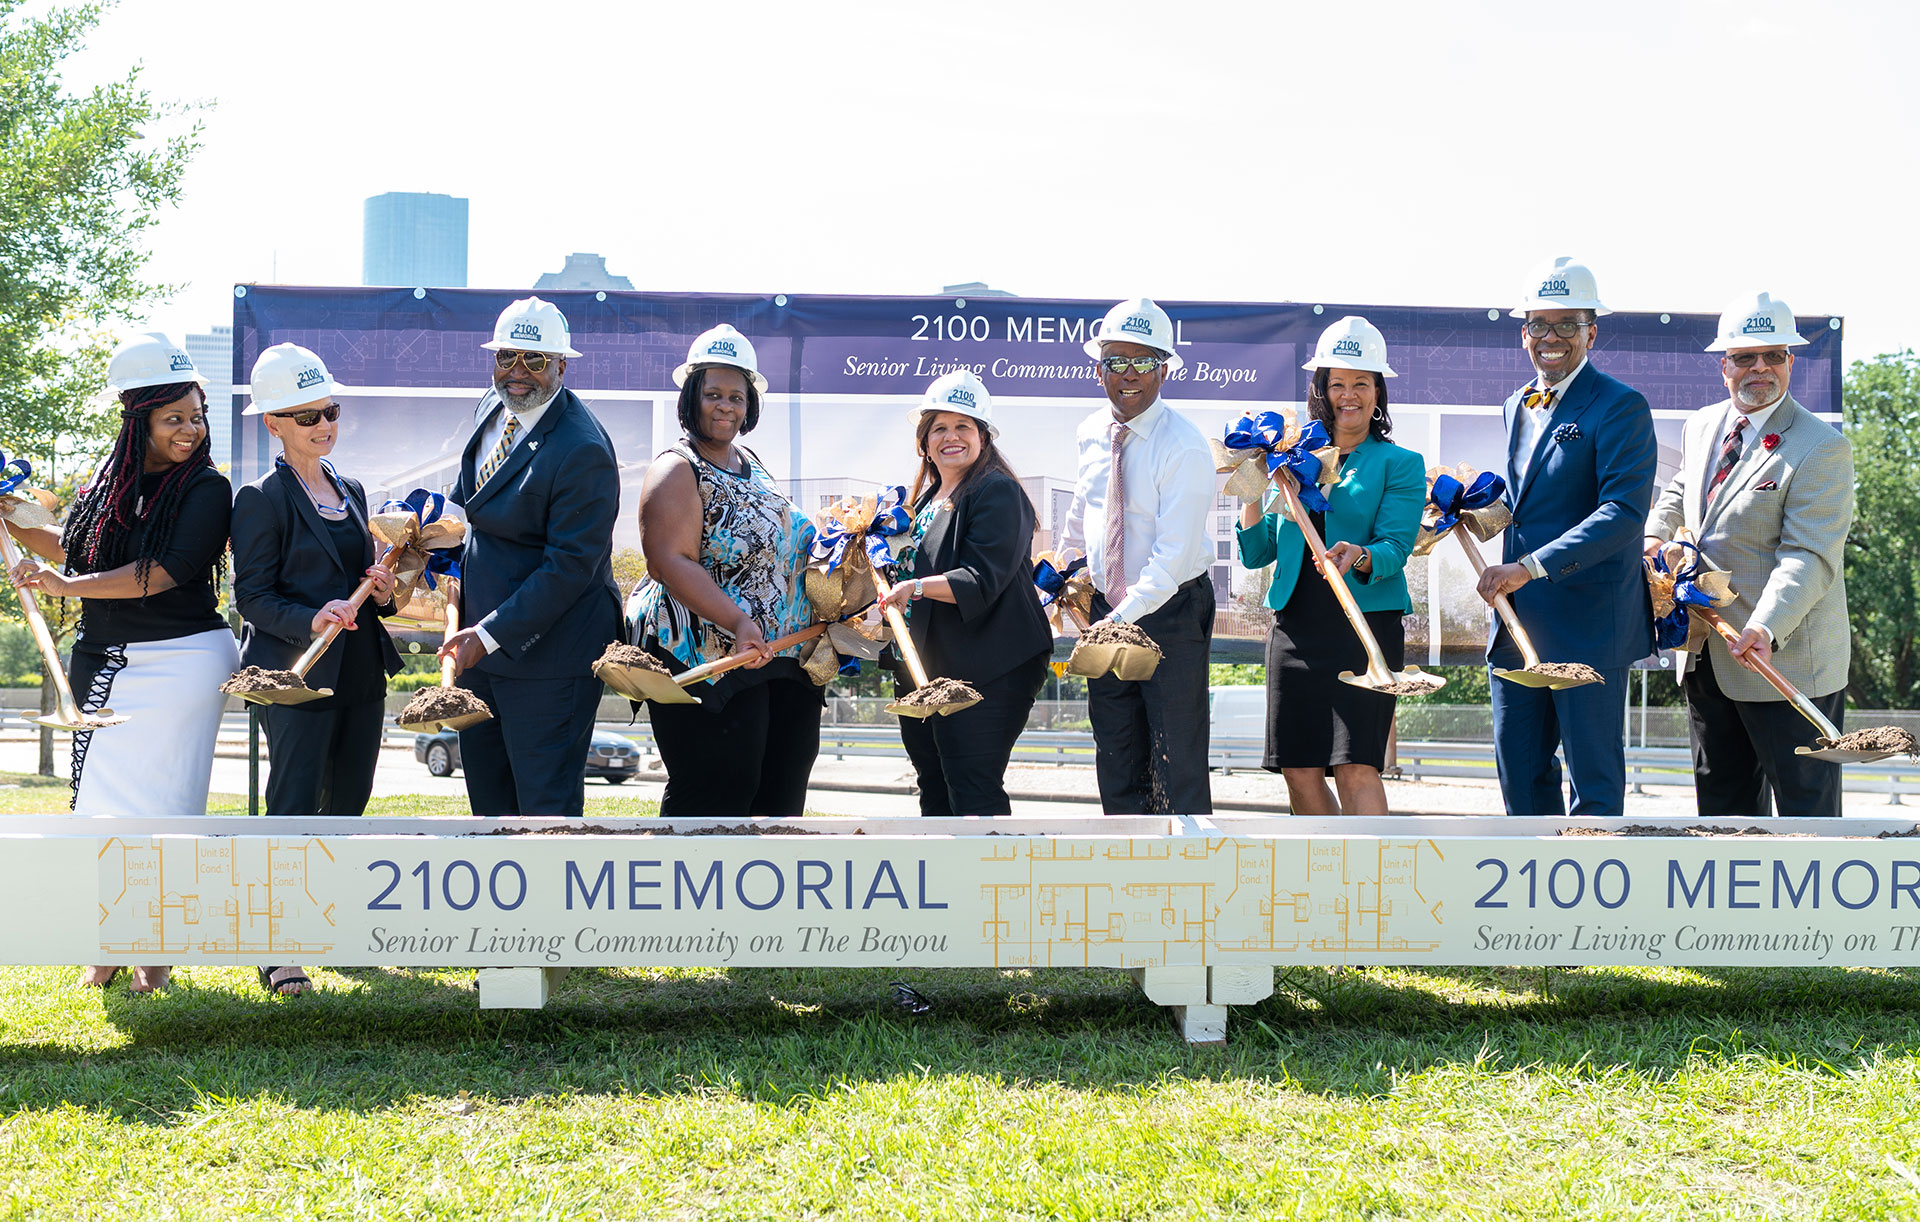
(1769, 486)
(1567, 432)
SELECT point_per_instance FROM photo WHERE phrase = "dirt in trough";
(1111, 632)
(1875, 738)
(631, 655)
(595, 829)
(938, 692)
(1567, 670)
(441, 703)
(259, 679)
(1647, 829)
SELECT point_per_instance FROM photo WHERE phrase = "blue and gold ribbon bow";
(1256, 446)
(418, 527)
(1457, 495)
(13, 473)
(1677, 584)
(1064, 586)
(854, 539)
(19, 504)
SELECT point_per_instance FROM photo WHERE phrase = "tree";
(1883, 548)
(81, 181)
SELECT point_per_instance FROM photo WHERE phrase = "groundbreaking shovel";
(1830, 735)
(644, 683)
(472, 711)
(1409, 682)
(303, 694)
(1534, 672)
(1064, 585)
(68, 715)
(964, 698)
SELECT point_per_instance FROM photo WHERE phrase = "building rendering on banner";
(416, 239)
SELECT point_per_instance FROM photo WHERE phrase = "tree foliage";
(81, 180)
(1883, 548)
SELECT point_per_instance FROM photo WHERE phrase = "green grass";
(27, 794)
(1391, 1093)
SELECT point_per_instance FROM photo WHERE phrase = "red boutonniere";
(1769, 441)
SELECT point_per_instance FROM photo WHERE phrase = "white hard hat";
(532, 325)
(1352, 343)
(1756, 320)
(960, 391)
(722, 346)
(287, 376)
(1137, 321)
(150, 360)
(1561, 285)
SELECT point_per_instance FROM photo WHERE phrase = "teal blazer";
(1376, 504)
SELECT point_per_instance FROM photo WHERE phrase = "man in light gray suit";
(1766, 489)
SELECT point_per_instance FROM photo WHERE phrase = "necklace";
(326, 510)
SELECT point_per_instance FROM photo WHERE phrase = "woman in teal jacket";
(1318, 726)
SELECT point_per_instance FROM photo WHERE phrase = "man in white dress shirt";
(1142, 522)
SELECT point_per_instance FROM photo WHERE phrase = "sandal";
(91, 978)
(150, 979)
(284, 981)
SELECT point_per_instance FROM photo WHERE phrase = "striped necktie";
(1729, 455)
(500, 452)
(1116, 557)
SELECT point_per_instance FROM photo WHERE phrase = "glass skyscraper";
(414, 239)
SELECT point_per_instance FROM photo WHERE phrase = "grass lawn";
(1451, 1093)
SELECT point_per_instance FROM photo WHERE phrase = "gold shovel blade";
(286, 695)
(902, 709)
(1428, 683)
(1130, 662)
(639, 683)
(1834, 755)
(83, 721)
(450, 723)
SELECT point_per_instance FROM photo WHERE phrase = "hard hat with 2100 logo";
(532, 325)
(1756, 320)
(960, 391)
(1137, 320)
(288, 376)
(150, 360)
(1352, 343)
(1561, 285)
(722, 345)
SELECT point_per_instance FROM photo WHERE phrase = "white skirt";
(160, 762)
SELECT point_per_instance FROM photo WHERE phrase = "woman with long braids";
(143, 549)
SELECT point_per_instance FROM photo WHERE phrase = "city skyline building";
(414, 239)
(583, 270)
(212, 353)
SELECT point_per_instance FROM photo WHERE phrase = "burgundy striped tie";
(1729, 455)
(1116, 522)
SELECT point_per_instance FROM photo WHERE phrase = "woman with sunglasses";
(142, 548)
(1317, 725)
(300, 548)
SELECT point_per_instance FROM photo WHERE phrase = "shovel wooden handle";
(331, 631)
(901, 637)
(1378, 672)
(1529, 657)
(42, 635)
(721, 666)
(1794, 696)
(453, 626)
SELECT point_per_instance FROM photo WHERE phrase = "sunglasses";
(1139, 364)
(536, 362)
(1565, 330)
(312, 416)
(1746, 359)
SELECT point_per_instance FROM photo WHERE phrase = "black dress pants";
(1151, 736)
(321, 761)
(961, 759)
(1742, 746)
(751, 757)
(530, 757)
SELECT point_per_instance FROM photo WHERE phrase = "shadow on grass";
(377, 1038)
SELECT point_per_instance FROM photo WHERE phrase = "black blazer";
(285, 567)
(984, 548)
(537, 569)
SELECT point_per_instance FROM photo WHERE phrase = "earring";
(1379, 414)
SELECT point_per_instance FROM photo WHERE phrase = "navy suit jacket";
(1580, 511)
(537, 568)
(286, 566)
(984, 547)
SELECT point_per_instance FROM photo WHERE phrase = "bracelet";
(918, 592)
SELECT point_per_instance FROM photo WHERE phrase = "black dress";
(1313, 719)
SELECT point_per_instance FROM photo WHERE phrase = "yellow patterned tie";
(500, 452)
(1540, 399)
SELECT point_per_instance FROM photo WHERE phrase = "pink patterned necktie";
(1116, 522)
(1729, 455)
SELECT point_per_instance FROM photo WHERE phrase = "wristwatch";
(917, 590)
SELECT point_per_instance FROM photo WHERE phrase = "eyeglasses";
(312, 416)
(536, 362)
(1139, 364)
(1540, 329)
(1776, 356)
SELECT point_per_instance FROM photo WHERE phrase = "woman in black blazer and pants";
(300, 547)
(967, 588)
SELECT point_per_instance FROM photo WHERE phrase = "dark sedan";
(612, 756)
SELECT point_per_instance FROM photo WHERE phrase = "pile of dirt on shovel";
(259, 679)
(1875, 738)
(938, 692)
(618, 654)
(440, 704)
(1112, 632)
(1412, 685)
(1567, 670)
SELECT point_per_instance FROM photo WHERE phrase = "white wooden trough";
(1201, 910)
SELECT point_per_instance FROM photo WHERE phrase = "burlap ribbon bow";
(1257, 446)
(1678, 577)
(853, 539)
(1064, 587)
(23, 506)
(419, 527)
(1460, 494)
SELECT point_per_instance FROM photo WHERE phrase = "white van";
(1238, 713)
